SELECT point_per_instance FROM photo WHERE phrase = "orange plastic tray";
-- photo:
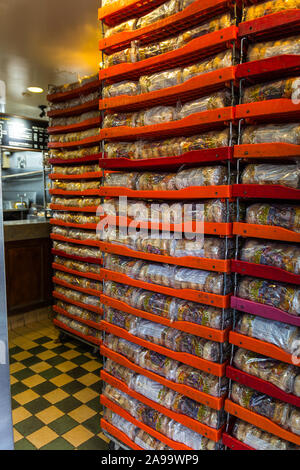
(272, 150)
(193, 124)
(193, 393)
(190, 423)
(89, 339)
(74, 110)
(73, 317)
(60, 267)
(77, 258)
(124, 414)
(86, 192)
(270, 110)
(271, 25)
(119, 435)
(78, 143)
(222, 301)
(59, 207)
(203, 331)
(118, 11)
(70, 224)
(191, 16)
(265, 231)
(197, 192)
(191, 89)
(82, 176)
(213, 368)
(189, 261)
(69, 94)
(209, 228)
(262, 347)
(60, 282)
(261, 422)
(80, 126)
(203, 46)
(92, 308)
(54, 236)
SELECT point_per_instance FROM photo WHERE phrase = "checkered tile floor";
(55, 391)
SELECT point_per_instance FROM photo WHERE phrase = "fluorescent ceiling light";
(35, 89)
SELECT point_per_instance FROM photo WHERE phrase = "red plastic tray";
(82, 176)
(270, 68)
(124, 414)
(203, 331)
(89, 339)
(76, 161)
(118, 11)
(87, 142)
(261, 347)
(191, 423)
(222, 301)
(60, 282)
(261, 422)
(60, 267)
(261, 386)
(54, 236)
(268, 111)
(191, 16)
(70, 224)
(233, 444)
(267, 151)
(193, 393)
(59, 207)
(193, 51)
(265, 311)
(191, 89)
(197, 192)
(70, 94)
(202, 364)
(189, 261)
(92, 324)
(119, 435)
(80, 126)
(265, 231)
(74, 110)
(193, 124)
(92, 308)
(193, 158)
(86, 192)
(282, 22)
(272, 191)
(266, 272)
(78, 258)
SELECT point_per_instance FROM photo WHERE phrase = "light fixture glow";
(35, 89)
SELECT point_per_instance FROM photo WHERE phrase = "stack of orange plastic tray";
(75, 283)
(271, 111)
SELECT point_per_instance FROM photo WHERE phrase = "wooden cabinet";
(28, 274)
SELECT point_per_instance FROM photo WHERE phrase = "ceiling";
(43, 42)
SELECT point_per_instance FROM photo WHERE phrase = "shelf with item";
(282, 110)
(261, 422)
(70, 224)
(192, 15)
(266, 272)
(87, 242)
(88, 339)
(222, 301)
(90, 323)
(74, 161)
(59, 207)
(271, 25)
(188, 261)
(92, 308)
(192, 328)
(61, 267)
(82, 176)
(75, 257)
(105, 402)
(261, 347)
(263, 191)
(193, 88)
(269, 69)
(74, 110)
(88, 141)
(265, 311)
(278, 150)
(201, 364)
(203, 46)
(216, 403)
(261, 386)
(196, 192)
(234, 444)
(265, 231)
(80, 126)
(192, 158)
(85, 89)
(84, 290)
(206, 120)
(115, 12)
(191, 423)
(119, 435)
